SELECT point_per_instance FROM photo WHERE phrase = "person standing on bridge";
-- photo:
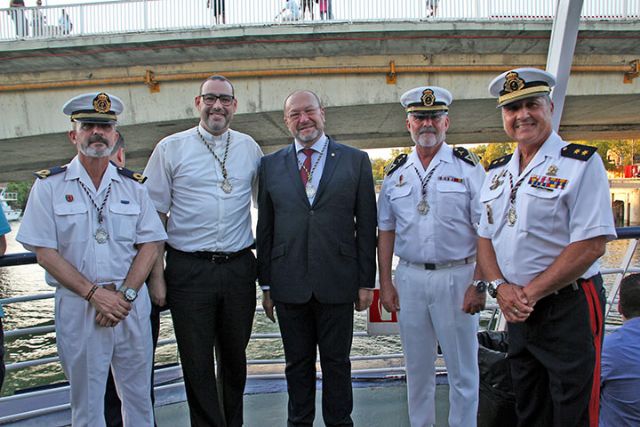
(217, 11)
(316, 239)
(428, 212)
(202, 181)
(545, 222)
(94, 230)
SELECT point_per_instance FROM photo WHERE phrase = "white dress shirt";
(320, 149)
(184, 180)
(576, 207)
(61, 216)
(448, 231)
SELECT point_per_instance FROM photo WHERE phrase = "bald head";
(304, 116)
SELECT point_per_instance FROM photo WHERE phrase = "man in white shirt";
(202, 181)
(428, 211)
(94, 230)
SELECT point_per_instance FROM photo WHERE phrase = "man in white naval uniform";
(205, 177)
(546, 219)
(95, 232)
(428, 211)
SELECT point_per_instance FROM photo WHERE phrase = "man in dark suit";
(316, 256)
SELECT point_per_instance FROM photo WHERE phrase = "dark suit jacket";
(326, 249)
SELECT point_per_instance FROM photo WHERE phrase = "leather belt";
(431, 266)
(214, 257)
(571, 287)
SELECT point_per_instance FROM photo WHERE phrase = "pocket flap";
(401, 191)
(69, 209)
(125, 208)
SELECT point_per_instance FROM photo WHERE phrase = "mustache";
(427, 129)
(98, 138)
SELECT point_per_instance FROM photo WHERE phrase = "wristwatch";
(492, 287)
(130, 294)
(481, 286)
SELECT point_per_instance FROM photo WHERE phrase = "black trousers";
(555, 358)
(212, 306)
(112, 403)
(330, 328)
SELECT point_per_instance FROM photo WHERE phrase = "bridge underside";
(364, 126)
(362, 106)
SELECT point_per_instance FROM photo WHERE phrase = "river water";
(29, 280)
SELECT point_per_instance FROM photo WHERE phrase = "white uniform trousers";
(431, 312)
(87, 350)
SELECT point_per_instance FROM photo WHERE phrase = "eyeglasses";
(211, 98)
(309, 112)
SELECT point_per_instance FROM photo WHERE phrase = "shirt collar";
(213, 139)
(445, 154)
(549, 148)
(75, 170)
(317, 146)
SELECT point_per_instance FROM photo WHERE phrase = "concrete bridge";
(359, 69)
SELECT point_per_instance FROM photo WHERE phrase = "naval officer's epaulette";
(578, 151)
(501, 161)
(131, 174)
(395, 164)
(44, 173)
(466, 156)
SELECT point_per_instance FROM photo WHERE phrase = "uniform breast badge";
(401, 181)
(552, 170)
(497, 180)
(489, 214)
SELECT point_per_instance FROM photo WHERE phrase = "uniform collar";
(75, 170)
(444, 154)
(317, 146)
(550, 148)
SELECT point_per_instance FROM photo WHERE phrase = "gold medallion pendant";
(423, 207)
(226, 186)
(512, 216)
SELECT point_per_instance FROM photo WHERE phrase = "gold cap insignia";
(428, 98)
(102, 103)
(513, 82)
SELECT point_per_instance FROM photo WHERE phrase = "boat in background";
(5, 197)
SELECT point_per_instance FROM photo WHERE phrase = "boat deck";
(377, 402)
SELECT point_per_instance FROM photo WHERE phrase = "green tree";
(22, 188)
(378, 168)
(495, 150)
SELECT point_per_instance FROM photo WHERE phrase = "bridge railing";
(131, 16)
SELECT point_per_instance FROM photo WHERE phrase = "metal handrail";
(136, 16)
(10, 260)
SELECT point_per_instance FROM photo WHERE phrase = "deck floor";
(373, 406)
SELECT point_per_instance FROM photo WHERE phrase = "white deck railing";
(134, 16)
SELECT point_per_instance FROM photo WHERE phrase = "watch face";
(130, 294)
(481, 287)
(492, 290)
